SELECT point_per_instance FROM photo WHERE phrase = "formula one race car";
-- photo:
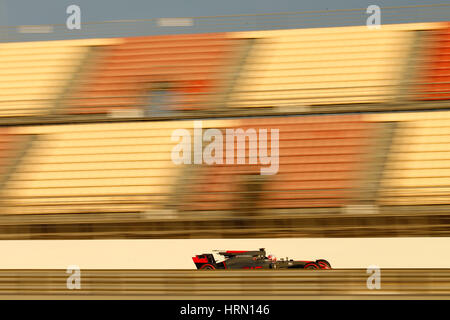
(254, 260)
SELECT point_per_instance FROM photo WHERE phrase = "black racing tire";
(323, 264)
(312, 266)
(207, 267)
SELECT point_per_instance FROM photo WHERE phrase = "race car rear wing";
(201, 260)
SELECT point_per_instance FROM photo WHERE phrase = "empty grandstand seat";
(116, 167)
(324, 66)
(417, 170)
(33, 75)
(127, 167)
(320, 161)
(191, 68)
(10, 145)
(434, 77)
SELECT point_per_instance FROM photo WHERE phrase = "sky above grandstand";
(28, 12)
(16, 13)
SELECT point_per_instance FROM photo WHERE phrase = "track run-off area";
(227, 284)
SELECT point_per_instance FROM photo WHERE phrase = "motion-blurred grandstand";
(363, 116)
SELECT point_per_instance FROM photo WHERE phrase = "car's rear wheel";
(207, 267)
(323, 264)
(312, 265)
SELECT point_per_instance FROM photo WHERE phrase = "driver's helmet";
(271, 257)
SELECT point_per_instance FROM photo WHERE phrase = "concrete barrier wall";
(177, 253)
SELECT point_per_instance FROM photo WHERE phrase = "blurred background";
(86, 123)
(364, 135)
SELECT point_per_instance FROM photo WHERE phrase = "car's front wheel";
(312, 265)
(323, 264)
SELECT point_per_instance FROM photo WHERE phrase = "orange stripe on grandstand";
(317, 167)
(10, 144)
(434, 83)
(192, 66)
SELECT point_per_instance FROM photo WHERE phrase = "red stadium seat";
(434, 82)
(192, 66)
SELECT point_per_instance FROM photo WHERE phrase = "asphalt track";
(236, 284)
